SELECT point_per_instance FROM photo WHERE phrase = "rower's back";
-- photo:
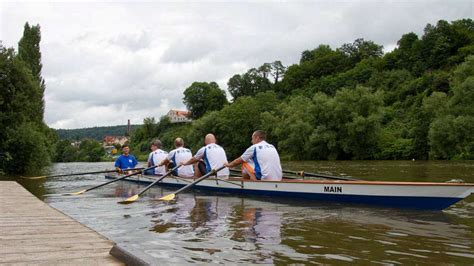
(266, 161)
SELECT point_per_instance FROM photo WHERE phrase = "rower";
(209, 157)
(125, 160)
(156, 155)
(260, 161)
(177, 156)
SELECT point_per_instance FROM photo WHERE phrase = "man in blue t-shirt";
(126, 160)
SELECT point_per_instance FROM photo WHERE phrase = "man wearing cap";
(211, 156)
(178, 156)
(156, 155)
(126, 160)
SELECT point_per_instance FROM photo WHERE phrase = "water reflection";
(267, 231)
(125, 190)
(258, 226)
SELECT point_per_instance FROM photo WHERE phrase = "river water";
(222, 228)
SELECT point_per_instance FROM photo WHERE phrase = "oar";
(112, 181)
(73, 174)
(173, 195)
(135, 197)
(239, 174)
(303, 174)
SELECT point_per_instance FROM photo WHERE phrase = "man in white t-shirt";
(157, 155)
(260, 161)
(178, 156)
(212, 156)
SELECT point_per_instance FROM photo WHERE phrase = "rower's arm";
(164, 162)
(190, 161)
(235, 162)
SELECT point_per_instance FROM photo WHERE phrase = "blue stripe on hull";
(425, 203)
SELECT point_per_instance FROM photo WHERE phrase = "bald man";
(212, 155)
(177, 157)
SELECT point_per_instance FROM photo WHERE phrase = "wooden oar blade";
(169, 197)
(78, 193)
(34, 177)
(129, 200)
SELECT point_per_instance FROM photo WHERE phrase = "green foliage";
(88, 151)
(360, 50)
(29, 52)
(91, 151)
(353, 102)
(340, 127)
(322, 61)
(451, 137)
(441, 46)
(235, 123)
(202, 97)
(149, 128)
(26, 143)
(255, 81)
(450, 134)
(96, 133)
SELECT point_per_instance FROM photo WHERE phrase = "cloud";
(106, 62)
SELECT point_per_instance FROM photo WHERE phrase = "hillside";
(353, 102)
(96, 133)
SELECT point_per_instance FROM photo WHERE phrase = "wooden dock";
(32, 232)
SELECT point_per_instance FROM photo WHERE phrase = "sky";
(107, 62)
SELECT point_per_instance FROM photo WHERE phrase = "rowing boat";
(413, 195)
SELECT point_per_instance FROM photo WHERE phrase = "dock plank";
(32, 232)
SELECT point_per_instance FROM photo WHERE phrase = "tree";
(250, 83)
(90, 151)
(202, 97)
(361, 49)
(149, 128)
(324, 62)
(294, 127)
(26, 142)
(27, 147)
(450, 134)
(235, 123)
(29, 52)
(277, 70)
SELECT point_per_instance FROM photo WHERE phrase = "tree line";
(96, 133)
(352, 102)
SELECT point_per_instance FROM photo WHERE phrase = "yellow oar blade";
(33, 177)
(129, 200)
(168, 197)
(78, 193)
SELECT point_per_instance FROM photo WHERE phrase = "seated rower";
(209, 157)
(125, 160)
(178, 156)
(260, 161)
(156, 155)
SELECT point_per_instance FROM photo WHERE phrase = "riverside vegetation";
(352, 102)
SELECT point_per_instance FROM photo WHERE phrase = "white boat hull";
(419, 195)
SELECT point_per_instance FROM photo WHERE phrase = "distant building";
(179, 116)
(76, 143)
(111, 140)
